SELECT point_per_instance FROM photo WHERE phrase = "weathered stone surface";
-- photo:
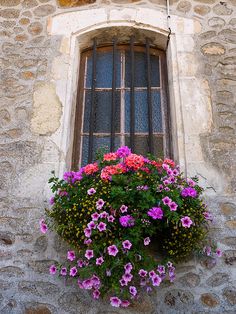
(228, 209)
(184, 6)
(47, 110)
(9, 3)
(10, 13)
(35, 28)
(202, 9)
(7, 238)
(38, 288)
(176, 298)
(41, 266)
(190, 280)
(231, 224)
(38, 308)
(24, 21)
(27, 75)
(21, 37)
(4, 256)
(74, 3)
(213, 49)
(230, 257)
(71, 301)
(208, 262)
(218, 279)
(232, 22)
(228, 35)
(216, 22)
(222, 9)
(28, 4)
(230, 241)
(41, 244)
(210, 300)
(5, 118)
(207, 35)
(44, 10)
(230, 295)
(11, 271)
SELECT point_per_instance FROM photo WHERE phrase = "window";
(121, 101)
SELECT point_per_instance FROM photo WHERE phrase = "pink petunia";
(152, 274)
(166, 200)
(128, 267)
(127, 277)
(91, 191)
(146, 241)
(71, 255)
(219, 253)
(87, 232)
(112, 250)
(99, 260)
(99, 204)
(156, 280)
(125, 303)
(126, 244)
(123, 282)
(123, 209)
(95, 216)
(87, 284)
(43, 226)
(110, 218)
(89, 254)
(186, 222)
(101, 226)
(173, 206)
(91, 225)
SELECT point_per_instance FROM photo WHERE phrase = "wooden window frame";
(166, 118)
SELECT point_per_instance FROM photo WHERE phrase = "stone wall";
(31, 117)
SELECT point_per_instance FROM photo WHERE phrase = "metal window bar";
(132, 108)
(149, 99)
(92, 112)
(112, 140)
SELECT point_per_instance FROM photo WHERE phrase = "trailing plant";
(111, 211)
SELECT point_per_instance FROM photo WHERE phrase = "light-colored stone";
(222, 9)
(213, 49)
(44, 10)
(202, 9)
(47, 110)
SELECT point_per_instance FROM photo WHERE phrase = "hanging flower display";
(112, 211)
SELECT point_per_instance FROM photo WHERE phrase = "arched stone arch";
(189, 95)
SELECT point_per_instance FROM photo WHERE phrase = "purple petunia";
(52, 200)
(52, 269)
(128, 267)
(123, 282)
(73, 271)
(123, 151)
(142, 273)
(110, 218)
(91, 191)
(208, 216)
(126, 244)
(112, 250)
(87, 284)
(161, 269)
(186, 222)
(71, 255)
(133, 291)
(125, 303)
(127, 277)
(87, 232)
(63, 271)
(219, 253)
(155, 213)
(96, 294)
(156, 280)
(126, 221)
(91, 225)
(191, 192)
(116, 302)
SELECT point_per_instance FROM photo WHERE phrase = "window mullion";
(122, 98)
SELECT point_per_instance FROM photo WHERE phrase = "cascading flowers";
(111, 211)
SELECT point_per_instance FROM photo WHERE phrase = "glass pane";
(98, 142)
(104, 68)
(141, 145)
(103, 103)
(141, 111)
(140, 70)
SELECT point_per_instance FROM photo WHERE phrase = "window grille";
(122, 100)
